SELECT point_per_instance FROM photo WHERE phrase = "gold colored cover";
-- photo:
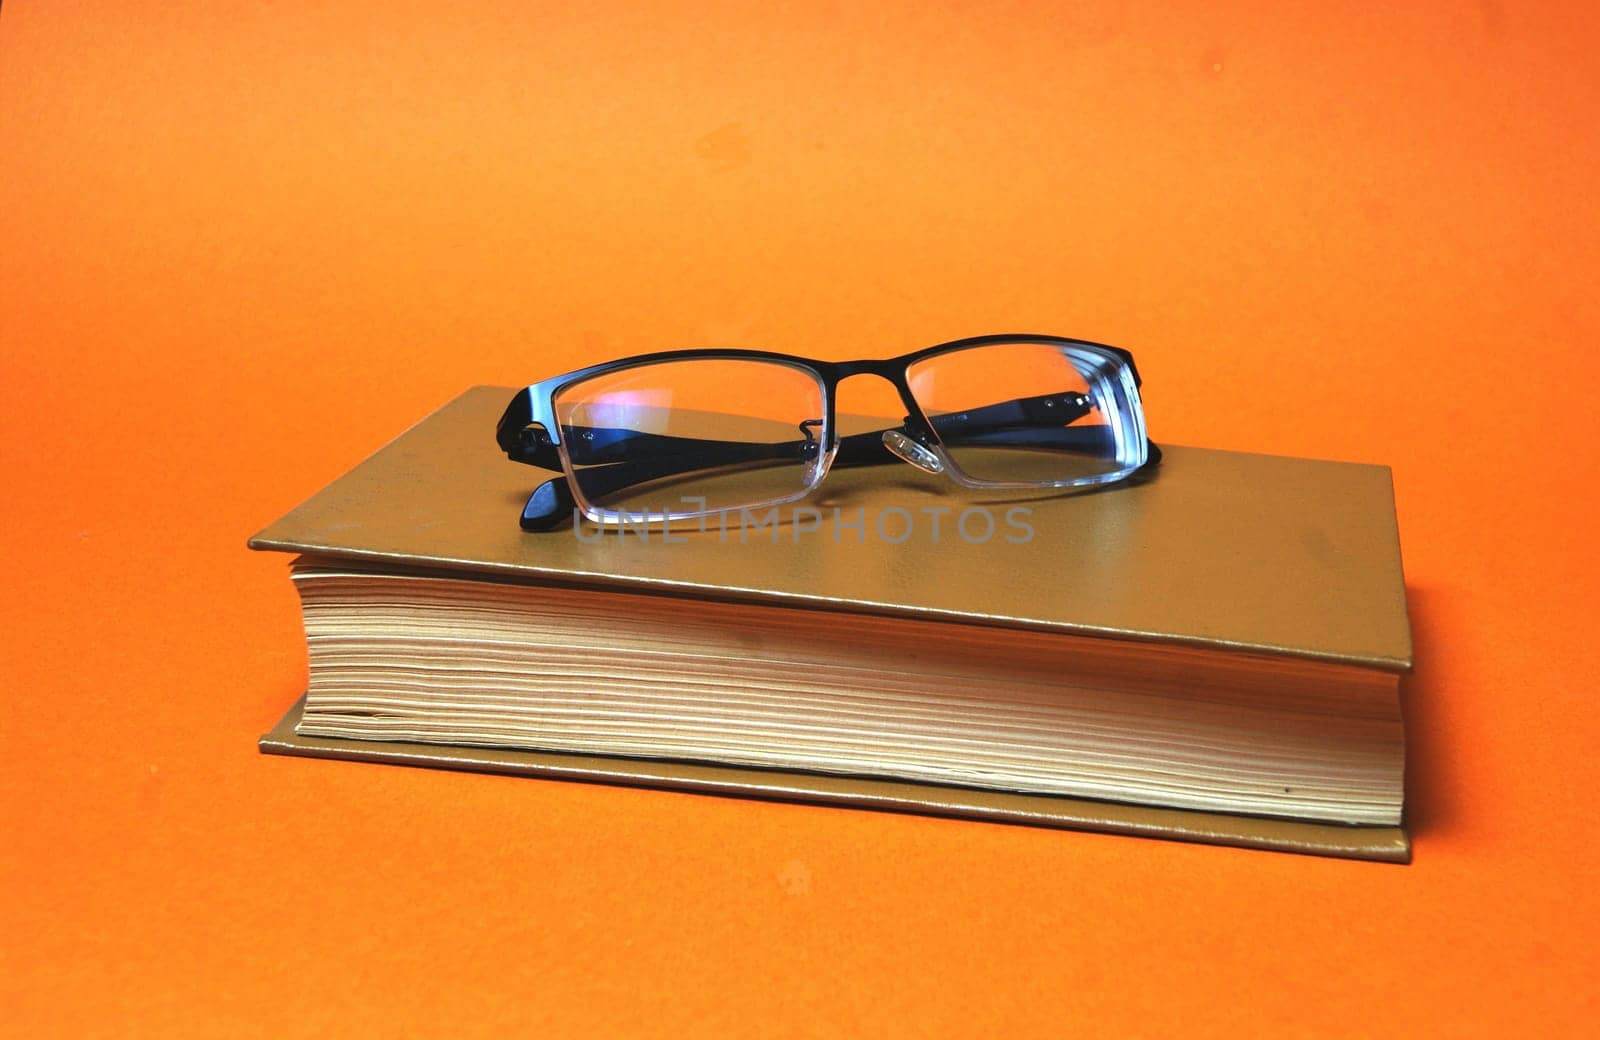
(1389, 844)
(1218, 549)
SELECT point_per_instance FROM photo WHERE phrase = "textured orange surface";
(241, 245)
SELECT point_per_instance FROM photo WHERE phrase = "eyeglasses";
(692, 433)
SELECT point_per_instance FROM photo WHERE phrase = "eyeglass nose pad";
(905, 449)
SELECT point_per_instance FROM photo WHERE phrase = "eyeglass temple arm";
(532, 445)
(552, 502)
(641, 457)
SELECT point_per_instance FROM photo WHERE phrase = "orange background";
(244, 244)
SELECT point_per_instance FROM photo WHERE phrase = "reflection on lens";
(1033, 414)
(676, 437)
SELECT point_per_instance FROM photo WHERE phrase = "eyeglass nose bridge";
(914, 441)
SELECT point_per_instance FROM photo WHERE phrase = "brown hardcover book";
(1212, 654)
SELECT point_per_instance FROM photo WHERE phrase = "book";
(1211, 653)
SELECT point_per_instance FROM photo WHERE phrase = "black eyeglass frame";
(529, 433)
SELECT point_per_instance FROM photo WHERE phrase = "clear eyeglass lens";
(1033, 414)
(684, 437)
